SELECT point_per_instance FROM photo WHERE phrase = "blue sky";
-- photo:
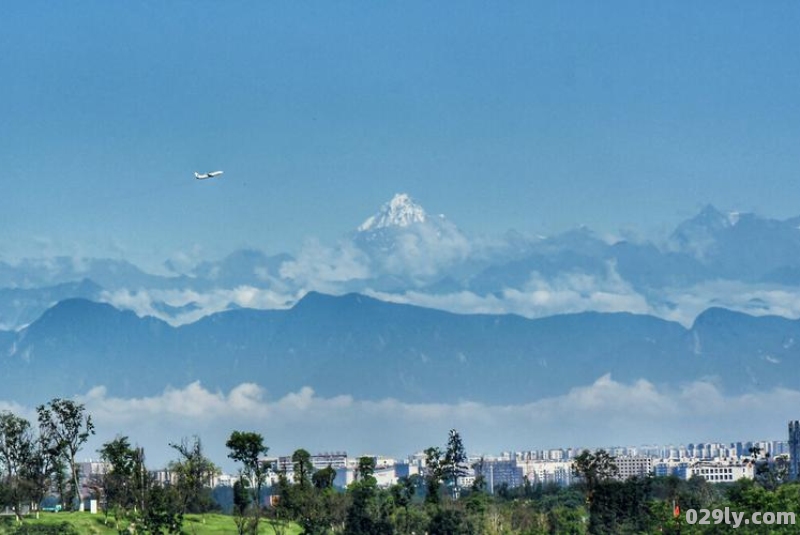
(538, 116)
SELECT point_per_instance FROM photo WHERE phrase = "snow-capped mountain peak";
(401, 211)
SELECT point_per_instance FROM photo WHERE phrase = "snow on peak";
(401, 211)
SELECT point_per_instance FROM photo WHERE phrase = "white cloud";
(604, 413)
(755, 299)
(346, 268)
(318, 267)
(199, 304)
(539, 297)
(182, 262)
(423, 251)
(581, 292)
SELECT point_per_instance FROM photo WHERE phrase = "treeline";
(38, 462)
(433, 503)
(38, 466)
(37, 459)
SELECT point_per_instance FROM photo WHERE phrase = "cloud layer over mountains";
(402, 254)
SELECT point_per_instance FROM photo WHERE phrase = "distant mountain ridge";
(402, 253)
(359, 346)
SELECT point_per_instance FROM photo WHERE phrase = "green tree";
(449, 522)
(118, 482)
(403, 493)
(455, 462)
(241, 497)
(248, 448)
(195, 474)
(16, 451)
(622, 507)
(771, 472)
(479, 484)
(434, 474)
(369, 513)
(301, 462)
(592, 469)
(366, 468)
(311, 502)
(566, 520)
(163, 511)
(68, 427)
(141, 479)
(39, 470)
(323, 479)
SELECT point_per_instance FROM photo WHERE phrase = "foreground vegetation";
(82, 523)
(636, 506)
(38, 462)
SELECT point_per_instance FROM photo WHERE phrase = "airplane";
(204, 176)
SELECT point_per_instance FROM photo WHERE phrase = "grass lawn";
(89, 524)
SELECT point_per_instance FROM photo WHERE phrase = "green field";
(89, 524)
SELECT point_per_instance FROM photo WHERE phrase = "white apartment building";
(720, 471)
(638, 466)
(546, 472)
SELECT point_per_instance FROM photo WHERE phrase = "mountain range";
(409, 306)
(362, 347)
(403, 254)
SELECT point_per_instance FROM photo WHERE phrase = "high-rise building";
(794, 450)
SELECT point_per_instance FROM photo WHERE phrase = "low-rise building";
(721, 471)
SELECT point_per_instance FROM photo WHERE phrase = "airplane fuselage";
(204, 176)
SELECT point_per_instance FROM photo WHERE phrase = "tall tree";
(434, 473)
(66, 423)
(479, 484)
(301, 462)
(40, 469)
(367, 514)
(16, 450)
(592, 469)
(195, 476)
(119, 480)
(366, 468)
(248, 448)
(403, 493)
(311, 501)
(455, 462)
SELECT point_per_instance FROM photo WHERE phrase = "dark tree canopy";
(301, 462)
